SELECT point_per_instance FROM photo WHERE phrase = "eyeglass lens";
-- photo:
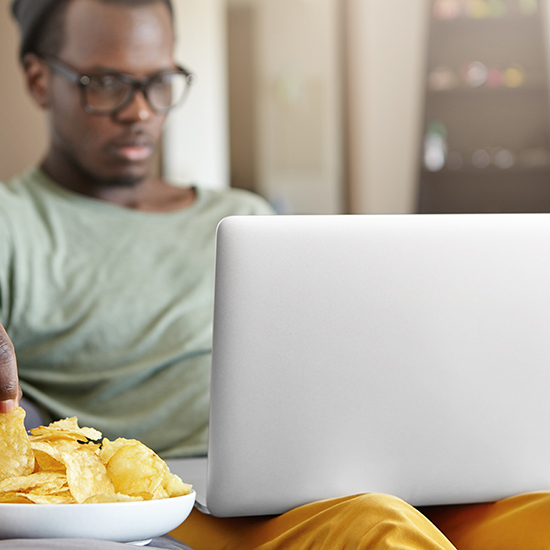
(110, 92)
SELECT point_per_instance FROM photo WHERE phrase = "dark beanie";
(29, 15)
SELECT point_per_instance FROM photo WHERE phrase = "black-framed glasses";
(107, 94)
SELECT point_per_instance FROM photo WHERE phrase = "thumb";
(10, 393)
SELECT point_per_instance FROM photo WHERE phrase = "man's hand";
(10, 392)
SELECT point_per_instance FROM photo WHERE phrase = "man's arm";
(10, 392)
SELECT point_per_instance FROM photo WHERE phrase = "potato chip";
(145, 496)
(67, 427)
(51, 435)
(14, 498)
(63, 464)
(59, 498)
(71, 424)
(160, 493)
(53, 487)
(86, 474)
(118, 497)
(47, 457)
(47, 481)
(43, 462)
(17, 458)
(63, 444)
(174, 486)
(109, 448)
(134, 468)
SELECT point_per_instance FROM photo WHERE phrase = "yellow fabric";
(351, 523)
(516, 523)
(379, 522)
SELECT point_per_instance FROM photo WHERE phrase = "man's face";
(138, 41)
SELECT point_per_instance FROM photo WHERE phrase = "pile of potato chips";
(65, 464)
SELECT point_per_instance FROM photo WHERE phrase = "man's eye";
(106, 84)
(162, 81)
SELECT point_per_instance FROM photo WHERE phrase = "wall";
(286, 102)
(387, 54)
(299, 126)
(196, 146)
(338, 102)
(23, 135)
(242, 95)
(545, 14)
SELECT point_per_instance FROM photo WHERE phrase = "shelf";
(491, 171)
(462, 22)
(492, 42)
(494, 191)
(484, 91)
(480, 117)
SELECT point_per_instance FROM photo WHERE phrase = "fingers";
(10, 392)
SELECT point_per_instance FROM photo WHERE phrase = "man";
(106, 282)
(107, 271)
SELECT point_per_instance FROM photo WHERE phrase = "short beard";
(114, 182)
(121, 181)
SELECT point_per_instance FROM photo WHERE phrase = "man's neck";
(150, 194)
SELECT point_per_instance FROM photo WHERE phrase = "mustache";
(134, 139)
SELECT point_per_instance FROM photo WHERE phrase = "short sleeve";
(247, 203)
(262, 207)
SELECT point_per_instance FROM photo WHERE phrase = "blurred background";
(346, 106)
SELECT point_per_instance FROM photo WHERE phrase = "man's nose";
(137, 110)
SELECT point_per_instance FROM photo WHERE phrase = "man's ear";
(37, 76)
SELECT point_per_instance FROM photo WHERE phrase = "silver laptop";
(407, 355)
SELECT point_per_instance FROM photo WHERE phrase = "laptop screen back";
(407, 355)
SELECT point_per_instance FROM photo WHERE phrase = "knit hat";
(29, 14)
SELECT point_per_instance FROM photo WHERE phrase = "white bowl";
(117, 521)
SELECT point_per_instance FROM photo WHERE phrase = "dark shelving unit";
(486, 143)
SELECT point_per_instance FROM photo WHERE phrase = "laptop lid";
(407, 355)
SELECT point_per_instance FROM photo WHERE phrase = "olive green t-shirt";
(110, 308)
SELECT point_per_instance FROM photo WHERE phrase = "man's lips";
(132, 152)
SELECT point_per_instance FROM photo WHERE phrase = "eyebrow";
(102, 70)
